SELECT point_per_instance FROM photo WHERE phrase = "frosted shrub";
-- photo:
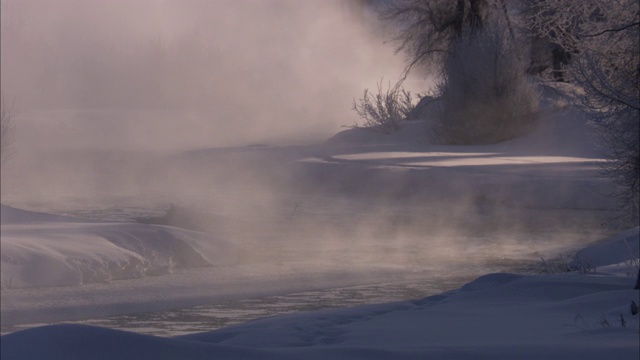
(384, 110)
(485, 94)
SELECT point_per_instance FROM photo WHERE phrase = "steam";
(110, 91)
(146, 78)
(231, 72)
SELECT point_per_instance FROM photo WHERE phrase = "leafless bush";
(583, 265)
(486, 96)
(559, 265)
(632, 263)
(384, 110)
(581, 323)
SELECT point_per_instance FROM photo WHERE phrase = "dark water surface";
(213, 316)
(544, 228)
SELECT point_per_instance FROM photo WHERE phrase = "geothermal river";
(363, 252)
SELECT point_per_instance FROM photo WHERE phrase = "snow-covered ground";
(497, 316)
(360, 208)
(40, 250)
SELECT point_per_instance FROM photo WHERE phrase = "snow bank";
(10, 215)
(622, 248)
(558, 165)
(507, 317)
(497, 316)
(40, 250)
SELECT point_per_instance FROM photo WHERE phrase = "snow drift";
(40, 250)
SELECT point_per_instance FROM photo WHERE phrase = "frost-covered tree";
(428, 29)
(547, 47)
(485, 95)
(605, 38)
(470, 45)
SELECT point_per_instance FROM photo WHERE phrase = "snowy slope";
(497, 316)
(40, 250)
(622, 248)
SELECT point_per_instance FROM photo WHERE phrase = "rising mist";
(149, 77)
(115, 96)
(191, 73)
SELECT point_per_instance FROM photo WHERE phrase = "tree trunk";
(458, 20)
(475, 14)
(560, 58)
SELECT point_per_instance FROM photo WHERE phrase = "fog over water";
(117, 100)
(167, 74)
(104, 87)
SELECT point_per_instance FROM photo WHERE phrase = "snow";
(623, 248)
(497, 316)
(59, 268)
(41, 250)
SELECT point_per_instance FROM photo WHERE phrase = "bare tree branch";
(621, 28)
(603, 36)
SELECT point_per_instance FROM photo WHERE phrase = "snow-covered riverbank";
(497, 316)
(359, 209)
